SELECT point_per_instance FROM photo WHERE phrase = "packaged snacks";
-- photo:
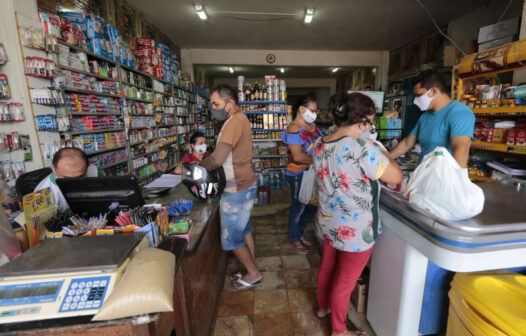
(50, 23)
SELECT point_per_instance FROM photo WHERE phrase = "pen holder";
(179, 224)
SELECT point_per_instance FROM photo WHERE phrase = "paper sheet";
(165, 181)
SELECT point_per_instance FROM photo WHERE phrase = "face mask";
(309, 116)
(368, 135)
(423, 101)
(201, 149)
(220, 114)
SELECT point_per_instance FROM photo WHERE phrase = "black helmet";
(202, 183)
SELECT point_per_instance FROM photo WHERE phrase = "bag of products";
(307, 188)
(440, 186)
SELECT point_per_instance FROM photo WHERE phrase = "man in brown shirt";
(234, 153)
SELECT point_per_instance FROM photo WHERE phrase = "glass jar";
(471, 103)
(484, 104)
(477, 104)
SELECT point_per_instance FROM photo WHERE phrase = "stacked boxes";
(81, 103)
(155, 59)
(100, 141)
(95, 123)
(109, 158)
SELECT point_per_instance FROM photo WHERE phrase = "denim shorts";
(235, 208)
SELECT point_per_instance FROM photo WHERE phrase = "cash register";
(64, 277)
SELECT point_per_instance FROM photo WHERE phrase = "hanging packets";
(3, 55)
(5, 93)
(46, 123)
(46, 96)
(40, 67)
(10, 142)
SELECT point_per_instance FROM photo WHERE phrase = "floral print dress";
(347, 172)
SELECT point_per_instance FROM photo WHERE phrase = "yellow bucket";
(487, 304)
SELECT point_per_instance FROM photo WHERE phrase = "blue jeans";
(234, 209)
(300, 214)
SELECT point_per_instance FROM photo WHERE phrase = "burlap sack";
(146, 287)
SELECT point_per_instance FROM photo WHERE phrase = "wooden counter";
(199, 276)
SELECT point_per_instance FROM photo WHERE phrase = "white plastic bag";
(439, 185)
(307, 185)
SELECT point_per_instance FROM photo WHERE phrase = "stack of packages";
(72, 59)
(155, 59)
(81, 103)
(90, 143)
(101, 39)
(109, 158)
(80, 81)
(94, 123)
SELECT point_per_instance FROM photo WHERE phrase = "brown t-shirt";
(236, 132)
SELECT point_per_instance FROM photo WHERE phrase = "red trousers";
(336, 280)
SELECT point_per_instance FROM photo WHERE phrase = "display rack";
(469, 69)
(157, 97)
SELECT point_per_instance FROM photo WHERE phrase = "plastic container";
(487, 303)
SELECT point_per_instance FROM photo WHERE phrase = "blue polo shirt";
(435, 129)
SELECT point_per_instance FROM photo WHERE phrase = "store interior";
(111, 226)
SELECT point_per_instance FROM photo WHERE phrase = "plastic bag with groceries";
(440, 186)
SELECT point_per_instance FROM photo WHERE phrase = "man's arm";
(460, 146)
(404, 146)
(217, 158)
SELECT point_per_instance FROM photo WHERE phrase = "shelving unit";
(151, 90)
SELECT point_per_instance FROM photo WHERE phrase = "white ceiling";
(337, 24)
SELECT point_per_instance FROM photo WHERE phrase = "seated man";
(67, 162)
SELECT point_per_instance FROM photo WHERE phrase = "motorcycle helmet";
(202, 183)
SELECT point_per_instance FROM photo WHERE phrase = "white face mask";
(423, 101)
(201, 149)
(309, 116)
(368, 135)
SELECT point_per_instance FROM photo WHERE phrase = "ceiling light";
(335, 69)
(231, 70)
(200, 11)
(309, 14)
(282, 70)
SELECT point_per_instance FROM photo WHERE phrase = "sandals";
(300, 249)
(236, 276)
(246, 285)
(305, 242)
(321, 317)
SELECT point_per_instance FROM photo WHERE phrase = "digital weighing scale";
(64, 277)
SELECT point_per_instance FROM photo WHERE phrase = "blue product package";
(112, 33)
(46, 123)
(74, 17)
(95, 47)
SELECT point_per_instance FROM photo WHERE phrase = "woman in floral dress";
(348, 169)
(299, 137)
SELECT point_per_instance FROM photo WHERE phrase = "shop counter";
(152, 324)
(199, 276)
(203, 267)
(413, 239)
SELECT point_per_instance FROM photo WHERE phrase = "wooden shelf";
(498, 147)
(517, 110)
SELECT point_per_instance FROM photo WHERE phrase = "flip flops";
(236, 276)
(324, 316)
(305, 242)
(246, 285)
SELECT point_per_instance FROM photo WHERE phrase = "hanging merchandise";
(40, 67)
(46, 96)
(16, 112)
(32, 37)
(10, 142)
(3, 55)
(11, 170)
(26, 146)
(5, 92)
(47, 123)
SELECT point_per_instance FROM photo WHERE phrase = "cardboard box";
(359, 295)
(496, 43)
(450, 55)
(498, 30)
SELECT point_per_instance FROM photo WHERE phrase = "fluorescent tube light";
(201, 12)
(309, 14)
(231, 70)
(282, 70)
(335, 69)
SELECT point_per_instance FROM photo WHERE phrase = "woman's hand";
(179, 169)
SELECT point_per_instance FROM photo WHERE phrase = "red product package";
(50, 23)
(145, 42)
(520, 138)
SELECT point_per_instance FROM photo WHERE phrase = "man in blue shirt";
(445, 122)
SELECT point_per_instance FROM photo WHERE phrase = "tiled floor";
(285, 302)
